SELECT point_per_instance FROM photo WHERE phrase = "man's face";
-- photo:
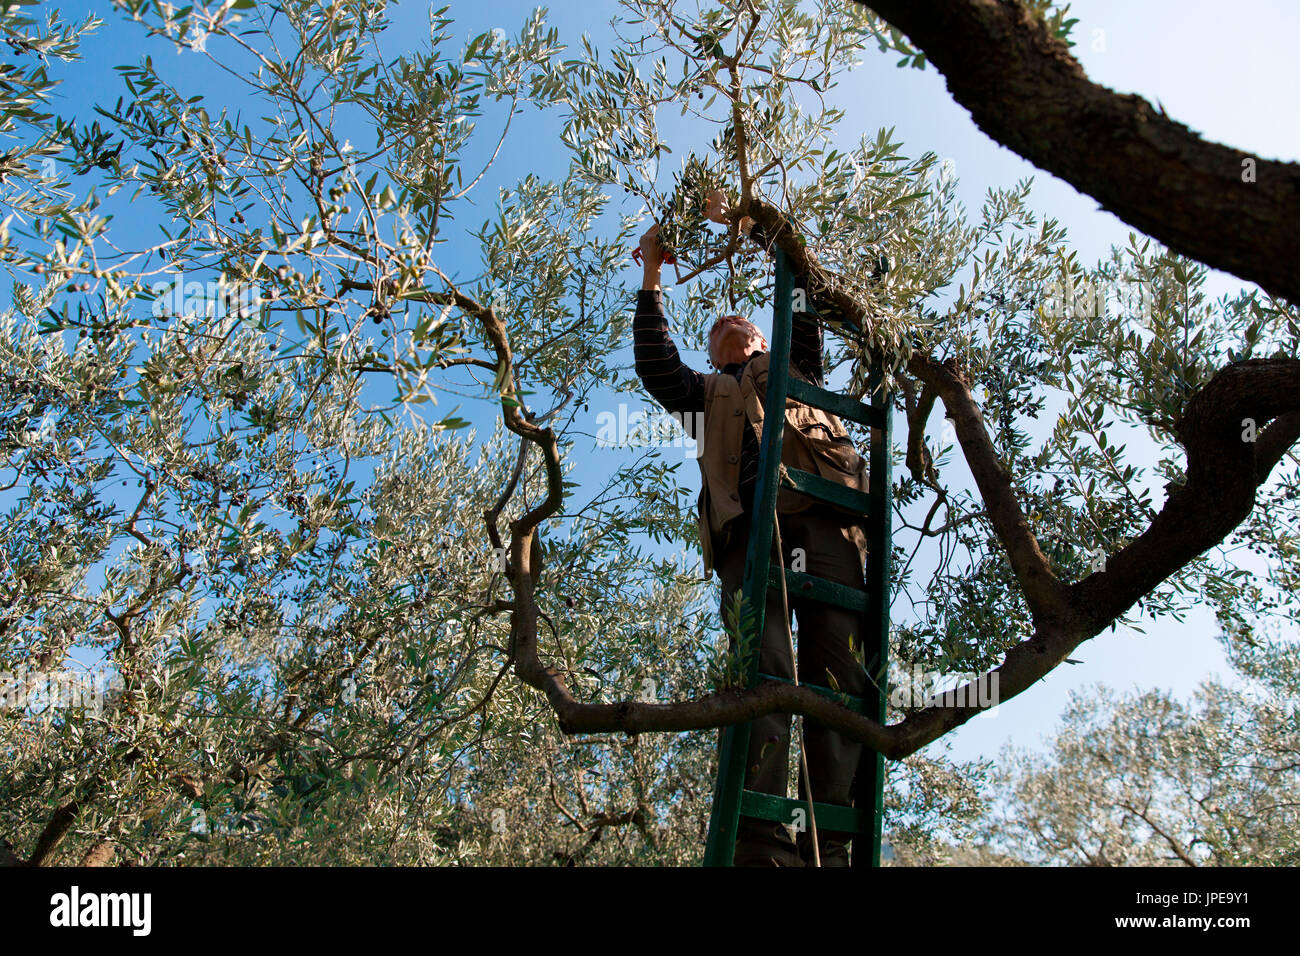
(733, 339)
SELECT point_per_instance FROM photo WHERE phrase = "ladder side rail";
(875, 640)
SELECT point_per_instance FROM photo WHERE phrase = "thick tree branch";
(1043, 590)
(720, 710)
(918, 459)
(101, 854)
(1274, 442)
(1214, 203)
(56, 828)
(1223, 472)
(834, 304)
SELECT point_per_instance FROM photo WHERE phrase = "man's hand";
(651, 255)
(717, 210)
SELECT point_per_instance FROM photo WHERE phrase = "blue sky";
(1227, 71)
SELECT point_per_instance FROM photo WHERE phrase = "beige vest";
(810, 445)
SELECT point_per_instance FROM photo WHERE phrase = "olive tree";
(261, 604)
(329, 612)
(1145, 780)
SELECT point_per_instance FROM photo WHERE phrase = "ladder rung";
(801, 585)
(836, 404)
(815, 486)
(848, 700)
(830, 816)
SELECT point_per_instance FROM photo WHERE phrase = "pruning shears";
(669, 258)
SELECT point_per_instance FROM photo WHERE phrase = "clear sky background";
(1226, 70)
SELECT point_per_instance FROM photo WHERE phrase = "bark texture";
(1024, 89)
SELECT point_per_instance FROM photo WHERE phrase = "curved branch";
(1223, 472)
(1043, 590)
(1223, 475)
(56, 828)
(1174, 845)
(918, 459)
(1274, 442)
(719, 710)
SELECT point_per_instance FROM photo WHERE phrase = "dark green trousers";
(829, 544)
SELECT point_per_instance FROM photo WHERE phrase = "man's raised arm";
(672, 384)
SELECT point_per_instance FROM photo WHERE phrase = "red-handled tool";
(669, 258)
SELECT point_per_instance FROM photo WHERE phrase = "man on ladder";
(815, 537)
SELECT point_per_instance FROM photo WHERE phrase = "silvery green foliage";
(241, 518)
(265, 528)
(1142, 779)
(933, 804)
(29, 181)
(1081, 372)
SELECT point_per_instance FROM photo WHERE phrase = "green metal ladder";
(730, 799)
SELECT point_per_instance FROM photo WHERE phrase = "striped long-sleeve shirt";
(680, 389)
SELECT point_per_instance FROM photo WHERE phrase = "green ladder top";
(730, 799)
